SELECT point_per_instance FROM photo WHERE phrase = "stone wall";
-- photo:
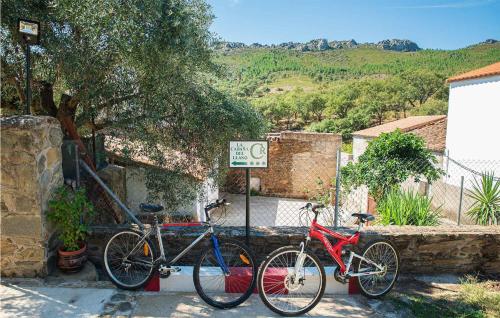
(297, 162)
(31, 170)
(423, 250)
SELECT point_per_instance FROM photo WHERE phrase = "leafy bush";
(400, 207)
(68, 211)
(324, 126)
(389, 160)
(486, 195)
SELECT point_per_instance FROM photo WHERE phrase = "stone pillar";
(31, 171)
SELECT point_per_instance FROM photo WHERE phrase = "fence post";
(460, 202)
(337, 190)
(247, 205)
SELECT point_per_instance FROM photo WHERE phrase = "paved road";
(48, 302)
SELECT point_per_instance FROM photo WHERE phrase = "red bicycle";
(292, 280)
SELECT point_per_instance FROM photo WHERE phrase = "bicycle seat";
(315, 207)
(363, 217)
(150, 208)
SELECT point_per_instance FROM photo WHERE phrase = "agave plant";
(486, 195)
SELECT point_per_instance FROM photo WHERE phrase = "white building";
(473, 132)
(474, 115)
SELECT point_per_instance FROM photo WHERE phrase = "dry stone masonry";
(31, 170)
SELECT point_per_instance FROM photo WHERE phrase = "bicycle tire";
(112, 276)
(358, 263)
(244, 296)
(260, 281)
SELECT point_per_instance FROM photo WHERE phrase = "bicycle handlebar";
(312, 207)
(216, 204)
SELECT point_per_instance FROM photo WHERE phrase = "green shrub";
(68, 211)
(400, 207)
(389, 160)
(486, 195)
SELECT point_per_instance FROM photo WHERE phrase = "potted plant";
(69, 210)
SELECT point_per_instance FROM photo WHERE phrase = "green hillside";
(306, 90)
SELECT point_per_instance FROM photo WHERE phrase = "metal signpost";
(248, 155)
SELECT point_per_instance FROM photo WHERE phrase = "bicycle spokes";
(226, 273)
(129, 261)
(290, 288)
(385, 257)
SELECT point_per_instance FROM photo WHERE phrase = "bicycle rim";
(220, 289)
(383, 254)
(282, 291)
(129, 270)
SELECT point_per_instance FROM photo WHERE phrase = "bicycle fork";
(299, 263)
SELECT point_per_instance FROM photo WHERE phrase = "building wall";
(422, 249)
(473, 117)
(137, 193)
(31, 171)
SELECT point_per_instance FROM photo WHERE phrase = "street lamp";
(30, 34)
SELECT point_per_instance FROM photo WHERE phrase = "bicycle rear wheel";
(225, 289)
(383, 253)
(129, 260)
(282, 291)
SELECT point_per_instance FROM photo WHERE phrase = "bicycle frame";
(165, 226)
(318, 231)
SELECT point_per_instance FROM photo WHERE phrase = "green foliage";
(143, 70)
(486, 195)
(389, 160)
(400, 207)
(361, 87)
(178, 189)
(432, 107)
(326, 125)
(69, 211)
(347, 147)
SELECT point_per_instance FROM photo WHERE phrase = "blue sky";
(437, 24)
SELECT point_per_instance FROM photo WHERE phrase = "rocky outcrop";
(398, 45)
(349, 44)
(319, 45)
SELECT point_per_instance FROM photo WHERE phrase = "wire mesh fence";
(277, 195)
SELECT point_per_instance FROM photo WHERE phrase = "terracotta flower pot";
(72, 262)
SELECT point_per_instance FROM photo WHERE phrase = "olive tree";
(138, 69)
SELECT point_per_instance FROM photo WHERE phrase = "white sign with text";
(248, 154)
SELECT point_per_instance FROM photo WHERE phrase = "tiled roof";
(490, 70)
(431, 128)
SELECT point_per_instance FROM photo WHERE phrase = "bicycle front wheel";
(286, 292)
(228, 284)
(129, 260)
(384, 254)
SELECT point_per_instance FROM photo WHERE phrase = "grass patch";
(484, 295)
(475, 299)
(427, 307)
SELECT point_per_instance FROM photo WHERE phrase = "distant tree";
(315, 104)
(341, 100)
(418, 86)
(432, 107)
(389, 160)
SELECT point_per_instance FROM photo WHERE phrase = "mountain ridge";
(322, 44)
